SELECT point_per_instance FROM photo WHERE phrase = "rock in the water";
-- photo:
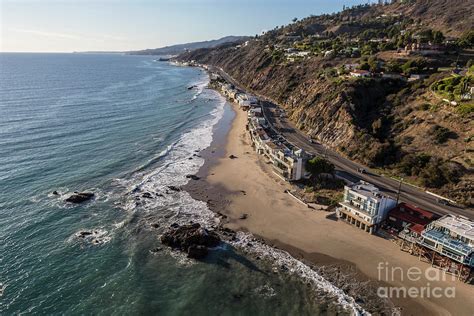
(232, 157)
(174, 188)
(155, 225)
(197, 251)
(83, 234)
(192, 239)
(155, 250)
(192, 176)
(55, 193)
(147, 195)
(79, 197)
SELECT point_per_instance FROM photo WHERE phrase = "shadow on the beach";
(332, 217)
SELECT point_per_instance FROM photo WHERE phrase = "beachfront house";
(364, 206)
(258, 135)
(287, 164)
(451, 236)
(408, 221)
(255, 112)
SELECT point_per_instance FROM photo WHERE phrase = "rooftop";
(366, 189)
(457, 224)
(412, 214)
(447, 240)
(361, 72)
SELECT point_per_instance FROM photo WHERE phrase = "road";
(348, 169)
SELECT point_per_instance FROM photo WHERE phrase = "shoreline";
(234, 187)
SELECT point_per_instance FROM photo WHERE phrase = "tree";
(467, 40)
(393, 66)
(317, 166)
(364, 66)
(373, 64)
(294, 20)
(438, 37)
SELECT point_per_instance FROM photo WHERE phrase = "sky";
(121, 25)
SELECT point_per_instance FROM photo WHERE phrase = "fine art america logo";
(425, 286)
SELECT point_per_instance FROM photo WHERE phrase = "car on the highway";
(361, 170)
(443, 201)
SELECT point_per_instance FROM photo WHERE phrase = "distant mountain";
(181, 48)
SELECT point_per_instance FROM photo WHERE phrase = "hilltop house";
(364, 206)
(358, 73)
(393, 75)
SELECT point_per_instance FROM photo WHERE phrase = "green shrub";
(424, 106)
(465, 108)
(440, 134)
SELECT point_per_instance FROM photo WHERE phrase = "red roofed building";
(410, 217)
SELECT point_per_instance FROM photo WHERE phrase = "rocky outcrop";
(191, 239)
(192, 177)
(79, 197)
(174, 188)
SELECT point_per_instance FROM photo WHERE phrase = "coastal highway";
(346, 168)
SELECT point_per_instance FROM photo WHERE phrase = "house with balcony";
(451, 236)
(258, 135)
(288, 164)
(364, 206)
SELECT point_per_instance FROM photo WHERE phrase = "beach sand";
(246, 185)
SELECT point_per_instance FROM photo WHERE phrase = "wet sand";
(246, 185)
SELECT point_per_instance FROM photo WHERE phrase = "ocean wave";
(280, 258)
(179, 207)
(93, 237)
(200, 86)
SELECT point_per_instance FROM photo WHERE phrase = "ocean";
(120, 126)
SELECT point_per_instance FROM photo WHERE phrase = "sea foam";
(180, 207)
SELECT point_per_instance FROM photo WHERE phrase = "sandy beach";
(246, 185)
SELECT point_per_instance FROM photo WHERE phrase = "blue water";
(118, 126)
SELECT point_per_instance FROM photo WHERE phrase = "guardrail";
(440, 197)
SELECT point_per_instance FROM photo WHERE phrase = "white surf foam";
(200, 86)
(281, 258)
(179, 207)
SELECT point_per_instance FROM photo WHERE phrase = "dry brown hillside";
(400, 124)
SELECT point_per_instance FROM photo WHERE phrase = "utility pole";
(399, 188)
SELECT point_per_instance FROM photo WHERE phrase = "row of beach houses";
(287, 161)
(446, 242)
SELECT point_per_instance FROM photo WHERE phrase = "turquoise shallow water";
(118, 126)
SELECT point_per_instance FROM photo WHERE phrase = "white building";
(360, 73)
(287, 164)
(364, 206)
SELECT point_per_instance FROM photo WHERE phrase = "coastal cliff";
(391, 119)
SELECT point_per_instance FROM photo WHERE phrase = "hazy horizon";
(112, 25)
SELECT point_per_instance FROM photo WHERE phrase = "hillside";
(180, 48)
(368, 82)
